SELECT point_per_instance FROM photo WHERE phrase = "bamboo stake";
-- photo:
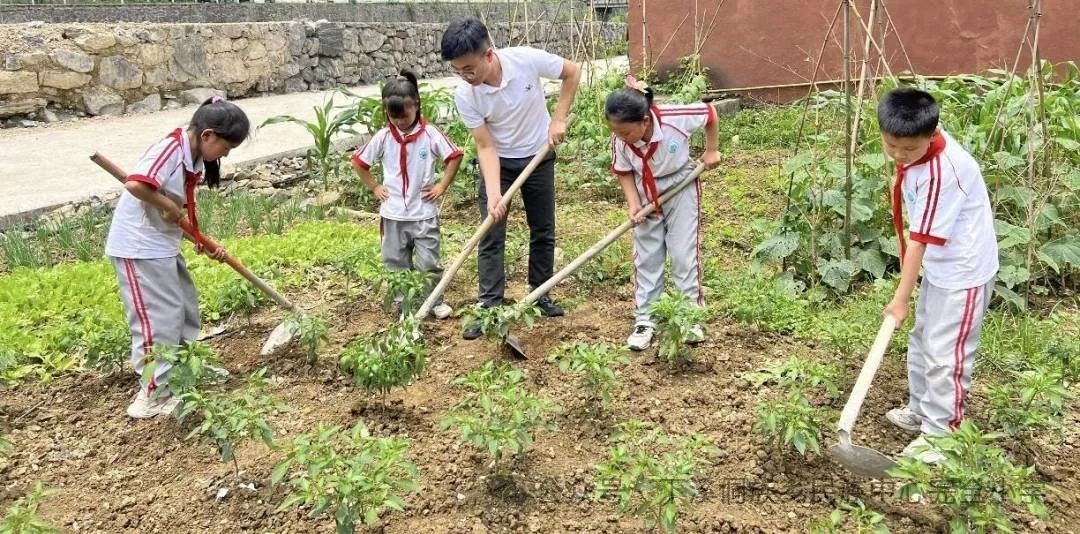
(862, 80)
(802, 121)
(848, 186)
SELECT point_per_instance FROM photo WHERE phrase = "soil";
(111, 474)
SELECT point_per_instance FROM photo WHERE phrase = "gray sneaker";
(147, 405)
(904, 418)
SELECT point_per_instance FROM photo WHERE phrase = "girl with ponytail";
(407, 149)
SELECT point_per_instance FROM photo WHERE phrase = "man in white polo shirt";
(503, 105)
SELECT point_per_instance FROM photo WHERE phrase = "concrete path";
(49, 165)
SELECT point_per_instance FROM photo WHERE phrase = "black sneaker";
(548, 307)
(472, 331)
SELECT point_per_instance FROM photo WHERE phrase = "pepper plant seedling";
(652, 473)
(675, 316)
(354, 475)
(594, 363)
(499, 415)
(381, 363)
(229, 418)
(311, 332)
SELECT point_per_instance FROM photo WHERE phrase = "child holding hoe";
(650, 149)
(951, 231)
(159, 297)
(407, 148)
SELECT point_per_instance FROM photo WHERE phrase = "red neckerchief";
(191, 181)
(937, 145)
(403, 162)
(648, 181)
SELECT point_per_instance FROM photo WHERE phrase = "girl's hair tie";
(633, 83)
(215, 99)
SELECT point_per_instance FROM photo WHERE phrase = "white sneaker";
(442, 311)
(641, 337)
(697, 335)
(904, 418)
(921, 449)
(146, 406)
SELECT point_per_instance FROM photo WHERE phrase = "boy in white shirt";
(502, 103)
(951, 228)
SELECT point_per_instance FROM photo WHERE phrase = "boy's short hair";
(908, 112)
(465, 36)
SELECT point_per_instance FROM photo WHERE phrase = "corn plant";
(652, 473)
(797, 372)
(594, 363)
(675, 316)
(408, 288)
(381, 363)
(22, 518)
(498, 415)
(311, 332)
(853, 517)
(354, 475)
(791, 422)
(974, 482)
(229, 418)
(327, 124)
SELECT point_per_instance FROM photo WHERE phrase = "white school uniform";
(160, 301)
(675, 230)
(948, 209)
(410, 225)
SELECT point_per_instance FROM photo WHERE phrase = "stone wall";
(497, 11)
(110, 69)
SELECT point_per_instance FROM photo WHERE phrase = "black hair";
(227, 121)
(465, 36)
(628, 105)
(399, 92)
(908, 112)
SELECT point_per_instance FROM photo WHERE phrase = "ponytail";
(399, 92)
(228, 122)
(630, 104)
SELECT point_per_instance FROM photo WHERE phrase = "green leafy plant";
(327, 124)
(974, 482)
(22, 518)
(382, 363)
(408, 288)
(497, 321)
(311, 332)
(498, 415)
(354, 475)
(852, 517)
(675, 316)
(1033, 401)
(594, 363)
(797, 372)
(193, 367)
(588, 139)
(227, 419)
(791, 422)
(652, 473)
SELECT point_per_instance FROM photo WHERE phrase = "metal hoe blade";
(861, 460)
(279, 337)
(511, 342)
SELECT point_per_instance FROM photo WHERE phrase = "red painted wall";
(773, 42)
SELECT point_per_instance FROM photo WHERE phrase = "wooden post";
(847, 125)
